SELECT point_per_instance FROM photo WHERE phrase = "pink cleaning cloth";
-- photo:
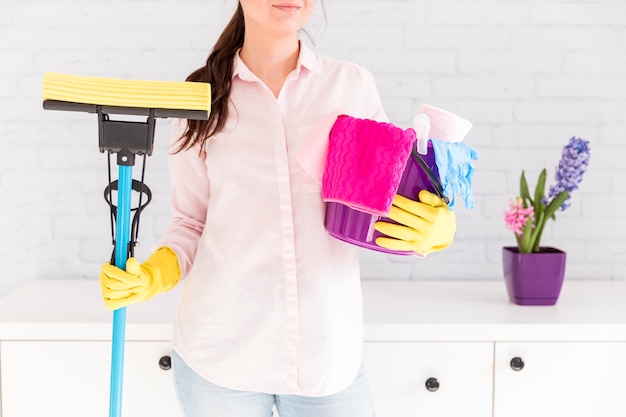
(365, 163)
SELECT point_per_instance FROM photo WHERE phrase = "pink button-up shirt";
(271, 302)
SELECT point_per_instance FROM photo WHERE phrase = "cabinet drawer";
(72, 379)
(561, 379)
(398, 372)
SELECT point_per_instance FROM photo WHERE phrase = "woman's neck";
(271, 59)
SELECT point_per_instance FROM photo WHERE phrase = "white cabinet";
(501, 379)
(431, 349)
(570, 357)
(55, 353)
(430, 379)
(71, 379)
(560, 379)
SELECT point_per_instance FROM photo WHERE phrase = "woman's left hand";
(425, 226)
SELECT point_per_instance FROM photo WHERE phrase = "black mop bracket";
(143, 191)
(125, 138)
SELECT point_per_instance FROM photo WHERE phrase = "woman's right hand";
(139, 282)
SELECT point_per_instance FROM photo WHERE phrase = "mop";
(126, 139)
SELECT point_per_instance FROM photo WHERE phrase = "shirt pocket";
(309, 156)
(312, 152)
(310, 184)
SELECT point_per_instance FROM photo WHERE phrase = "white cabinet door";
(561, 379)
(72, 379)
(398, 372)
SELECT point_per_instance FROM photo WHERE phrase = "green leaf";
(537, 231)
(556, 203)
(523, 190)
(549, 213)
(539, 210)
(526, 235)
(540, 189)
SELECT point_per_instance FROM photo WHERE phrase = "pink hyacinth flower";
(517, 216)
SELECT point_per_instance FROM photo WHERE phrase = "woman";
(271, 310)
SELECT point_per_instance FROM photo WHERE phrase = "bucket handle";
(431, 176)
(421, 125)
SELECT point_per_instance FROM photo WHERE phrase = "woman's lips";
(287, 7)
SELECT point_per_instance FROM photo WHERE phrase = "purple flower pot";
(533, 278)
(357, 227)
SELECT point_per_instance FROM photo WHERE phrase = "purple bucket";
(357, 227)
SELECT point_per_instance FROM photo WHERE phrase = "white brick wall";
(529, 73)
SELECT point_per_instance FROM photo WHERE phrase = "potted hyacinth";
(534, 273)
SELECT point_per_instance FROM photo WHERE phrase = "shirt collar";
(307, 59)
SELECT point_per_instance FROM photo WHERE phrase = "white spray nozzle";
(421, 123)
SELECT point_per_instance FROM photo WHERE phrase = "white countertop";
(481, 311)
(393, 311)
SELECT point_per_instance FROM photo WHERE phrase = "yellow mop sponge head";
(172, 95)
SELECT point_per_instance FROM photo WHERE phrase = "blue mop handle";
(124, 194)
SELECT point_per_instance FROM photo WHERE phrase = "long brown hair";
(218, 71)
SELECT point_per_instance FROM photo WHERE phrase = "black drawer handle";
(432, 384)
(517, 364)
(165, 363)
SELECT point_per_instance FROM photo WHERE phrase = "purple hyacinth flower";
(572, 167)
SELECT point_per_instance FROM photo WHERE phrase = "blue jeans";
(201, 398)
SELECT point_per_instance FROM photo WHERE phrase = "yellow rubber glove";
(425, 226)
(140, 282)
